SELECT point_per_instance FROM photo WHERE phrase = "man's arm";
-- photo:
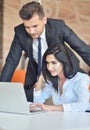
(12, 60)
(76, 43)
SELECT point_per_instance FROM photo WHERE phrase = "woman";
(65, 82)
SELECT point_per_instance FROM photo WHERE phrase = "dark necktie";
(39, 56)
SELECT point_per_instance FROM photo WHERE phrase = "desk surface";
(46, 121)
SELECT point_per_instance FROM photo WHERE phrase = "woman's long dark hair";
(64, 55)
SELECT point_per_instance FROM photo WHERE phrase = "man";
(35, 25)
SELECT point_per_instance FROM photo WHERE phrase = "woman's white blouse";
(75, 96)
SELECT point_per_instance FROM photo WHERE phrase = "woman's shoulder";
(81, 77)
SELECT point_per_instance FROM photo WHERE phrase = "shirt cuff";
(67, 107)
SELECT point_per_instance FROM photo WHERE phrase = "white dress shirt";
(44, 46)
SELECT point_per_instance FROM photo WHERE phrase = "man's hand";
(40, 83)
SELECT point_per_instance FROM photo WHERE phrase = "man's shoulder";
(52, 20)
(20, 27)
(54, 23)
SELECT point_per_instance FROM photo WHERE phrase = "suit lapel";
(29, 46)
(30, 54)
(50, 36)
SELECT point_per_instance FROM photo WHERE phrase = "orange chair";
(19, 76)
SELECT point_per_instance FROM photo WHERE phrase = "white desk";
(46, 121)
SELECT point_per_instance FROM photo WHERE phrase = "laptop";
(13, 98)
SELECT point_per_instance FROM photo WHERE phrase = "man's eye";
(35, 26)
(27, 27)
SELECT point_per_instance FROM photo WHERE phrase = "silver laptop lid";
(13, 98)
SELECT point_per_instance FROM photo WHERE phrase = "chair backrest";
(19, 76)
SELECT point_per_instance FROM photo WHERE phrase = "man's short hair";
(28, 10)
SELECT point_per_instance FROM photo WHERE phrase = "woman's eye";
(54, 62)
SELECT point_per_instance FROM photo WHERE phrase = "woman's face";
(53, 65)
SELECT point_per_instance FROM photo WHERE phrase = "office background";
(76, 14)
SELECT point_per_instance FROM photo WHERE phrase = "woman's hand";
(44, 107)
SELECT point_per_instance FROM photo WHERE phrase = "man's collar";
(43, 34)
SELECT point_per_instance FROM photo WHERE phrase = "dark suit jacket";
(56, 31)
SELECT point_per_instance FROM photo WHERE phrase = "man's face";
(35, 26)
